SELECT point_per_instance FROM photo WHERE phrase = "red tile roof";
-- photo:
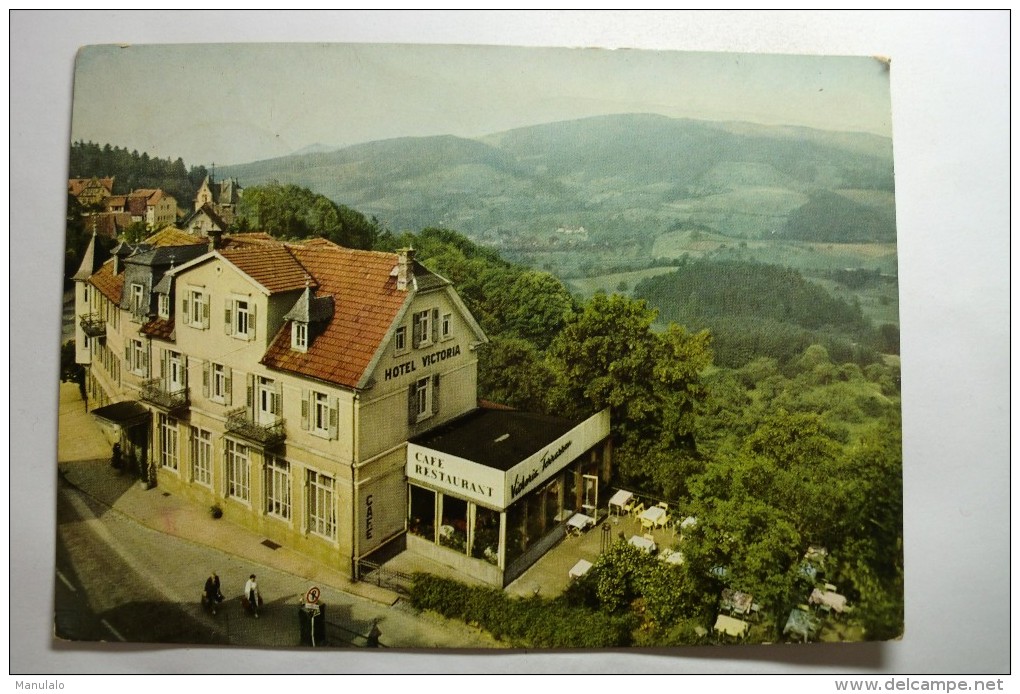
(76, 185)
(160, 328)
(366, 302)
(271, 265)
(108, 284)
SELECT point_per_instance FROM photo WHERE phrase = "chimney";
(215, 239)
(405, 268)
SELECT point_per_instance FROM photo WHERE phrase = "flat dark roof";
(495, 438)
(123, 413)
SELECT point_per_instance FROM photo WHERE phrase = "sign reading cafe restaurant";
(490, 492)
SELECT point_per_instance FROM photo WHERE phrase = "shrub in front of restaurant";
(522, 622)
(618, 576)
(624, 576)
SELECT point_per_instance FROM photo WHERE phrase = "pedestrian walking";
(252, 596)
(373, 635)
(211, 594)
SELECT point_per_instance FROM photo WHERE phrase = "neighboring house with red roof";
(152, 206)
(90, 191)
(312, 392)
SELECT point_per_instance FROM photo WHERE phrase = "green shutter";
(333, 418)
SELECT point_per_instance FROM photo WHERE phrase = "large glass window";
(486, 537)
(168, 442)
(277, 487)
(453, 529)
(201, 456)
(321, 510)
(517, 539)
(237, 470)
(422, 520)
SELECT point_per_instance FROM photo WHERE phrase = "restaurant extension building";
(325, 398)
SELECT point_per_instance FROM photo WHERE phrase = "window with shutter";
(228, 317)
(334, 418)
(412, 404)
(435, 394)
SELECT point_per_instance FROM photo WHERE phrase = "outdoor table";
(579, 522)
(642, 543)
(621, 500)
(735, 601)
(688, 522)
(653, 516)
(833, 601)
(801, 623)
(671, 556)
(730, 626)
(580, 568)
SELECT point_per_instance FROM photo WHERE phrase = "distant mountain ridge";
(618, 176)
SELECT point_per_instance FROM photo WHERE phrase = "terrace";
(240, 423)
(155, 391)
(93, 325)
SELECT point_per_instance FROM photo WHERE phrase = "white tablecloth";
(656, 515)
(579, 521)
(621, 498)
(642, 543)
(580, 568)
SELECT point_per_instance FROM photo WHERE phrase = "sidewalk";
(83, 461)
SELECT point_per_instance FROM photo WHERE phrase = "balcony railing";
(240, 423)
(93, 325)
(155, 391)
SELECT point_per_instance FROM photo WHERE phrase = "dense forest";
(771, 457)
(289, 211)
(132, 170)
(760, 310)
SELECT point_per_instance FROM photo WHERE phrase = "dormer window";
(164, 306)
(309, 316)
(299, 336)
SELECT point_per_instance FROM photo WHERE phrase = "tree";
(534, 306)
(607, 356)
(512, 372)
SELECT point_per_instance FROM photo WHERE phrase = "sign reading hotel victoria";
(412, 365)
(497, 489)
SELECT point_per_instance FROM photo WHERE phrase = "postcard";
(467, 347)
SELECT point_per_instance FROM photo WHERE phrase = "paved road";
(119, 580)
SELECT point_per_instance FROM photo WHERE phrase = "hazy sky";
(234, 103)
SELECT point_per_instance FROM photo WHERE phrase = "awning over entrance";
(123, 414)
(495, 457)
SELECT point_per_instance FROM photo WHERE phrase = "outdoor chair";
(637, 509)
